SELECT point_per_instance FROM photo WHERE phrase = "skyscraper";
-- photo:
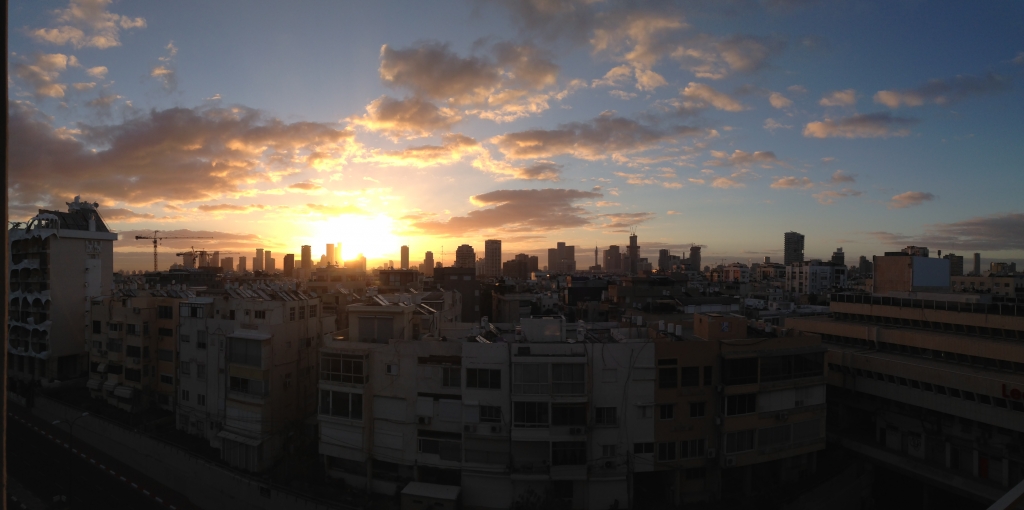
(613, 259)
(241, 265)
(268, 262)
(465, 257)
(562, 259)
(307, 257)
(492, 258)
(405, 257)
(428, 264)
(634, 255)
(227, 263)
(289, 265)
(337, 255)
(330, 254)
(793, 248)
(977, 264)
(663, 260)
(694, 260)
(257, 262)
(838, 257)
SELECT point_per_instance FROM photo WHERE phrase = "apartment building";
(1009, 286)
(132, 346)
(246, 373)
(621, 415)
(58, 262)
(930, 385)
(814, 277)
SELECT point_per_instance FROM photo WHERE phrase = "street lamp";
(71, 438)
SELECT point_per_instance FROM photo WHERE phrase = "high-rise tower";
(793, 248)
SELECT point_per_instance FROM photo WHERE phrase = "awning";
(239, 439)
(124, 391)
(109, 385)
(93, 384)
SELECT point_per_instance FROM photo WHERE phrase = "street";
(38, 459)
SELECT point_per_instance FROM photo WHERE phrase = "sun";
(371, 236)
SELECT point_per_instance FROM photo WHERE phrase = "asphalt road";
(38, 458)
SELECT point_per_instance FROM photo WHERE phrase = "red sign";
(1014, 393)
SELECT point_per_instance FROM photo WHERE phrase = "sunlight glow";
(372, 236)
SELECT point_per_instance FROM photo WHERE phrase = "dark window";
(667, 451)
(530, 414)
(697, 409)
(376, 329)
(697, 473)
(739, 441)
(291, 313)
(345, 368)
(451, 377)
(167, 379)
(133, 375)
(530, 379)
(642, 448)
(689, 376)
(708, 376)
(568, 415)
(164, 312)
(490, 414)
(165, 332)
(246, 352)
(567, 379)
(568, 453)
(483, 378)
(666, 411)
(341, 404)
(133, 351)
(201, 339)
(667, 377)
(605, 416)
(740, 404)
(739, 371)
(250, 386)
(693, 448)
(97, 327)
(115, 369)
(165, 355)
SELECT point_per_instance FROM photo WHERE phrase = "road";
(38, 458)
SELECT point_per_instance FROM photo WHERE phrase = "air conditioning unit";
(730, 461)
(712, 453)
(469, 428)
(423, 420)
(496, 429)
(575, 431)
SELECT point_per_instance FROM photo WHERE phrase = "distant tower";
(634, 252)
(694, 258)
(330, 255)
(241, 265)
(595, 257)
(793, 248)
(838, 257)
(492, 258)
(307, 257)
(977, 264)
(405, 257)
(465, 256)
(428, 264)
(268, 262)
(289, 265)
(257, 262)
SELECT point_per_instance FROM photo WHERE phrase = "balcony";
(531, 470)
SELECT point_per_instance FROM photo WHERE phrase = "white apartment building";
(814, 277)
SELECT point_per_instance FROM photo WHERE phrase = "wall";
(208, 485)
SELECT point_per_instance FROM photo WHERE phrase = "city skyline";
(869, 127)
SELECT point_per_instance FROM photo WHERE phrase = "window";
(113, 327)
(133, 351)
(184, 395)
(740, 404)
(164, 312)
(291, 313)
(115, 369)
(97, 327)
(708, 376)
(667, 451)
(312, 310)
(568, 453)
(114, 346)
(490, 414)
(190, 310)
(667, 373)
(165, 355)
(183, 337)
(607, 451)
(530, 379)
(567, 379)
(483, 378)
(246, 352)
(666, 411)
(132, 329)
(231, 315)
(132, 375)
(739, 441)
(774, 436)
(347, 368)
(447, 445)
(243, 385)
(376, 329)
(185, 367)
(605, 416)
(260, 314)
(691, 449)
(643, 448)
(697, 409)
(530, 414)
(572, 415)
(302, 312)
(644, 411)
(739, 371)
(689, 376)
(341, 404)
(201, 399)
(451, 377)
(201, 339)
(165, 332)
(201, 371)
(167, 379)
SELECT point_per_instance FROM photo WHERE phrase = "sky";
(863, 125)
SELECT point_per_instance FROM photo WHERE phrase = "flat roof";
(432, 490)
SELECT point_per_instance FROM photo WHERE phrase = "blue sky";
(867, 125)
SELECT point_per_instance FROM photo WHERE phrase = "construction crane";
(200, 254)
(157, 238)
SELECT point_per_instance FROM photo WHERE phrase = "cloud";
(792, 182)
(828, 197)
(910, 199)
(177, 155)
(41, 74)
(305, 186)
(637, 179)
(996, 232)
(104, 103)
(772, 125)
(87, 24)
(1019, 59)
(696, 181)
(712, 58)
(726, 182)
(122, 215)
(846, 97)
(84, 86)
(165, 71)
(840, 176)
(871, 125)
(765, 159)
(779, 101)
(539, 171)
(705, 94)
(219, 240)
(625, 96)
(454, 147)
(943, 92)
(229, 208)
(522, 210)
(604, 136)
(97, 72)
(406, 118)
(623, 220)
(672, 213)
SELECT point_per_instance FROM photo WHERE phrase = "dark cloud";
(406, 118)
(910, 199)
(871, 125)
(217, 240)
(985, 233)
(605, 136)
(840, 176)
(517, 211)
(305, 186)
(178, 154)
(624, 220)
(944, 92)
